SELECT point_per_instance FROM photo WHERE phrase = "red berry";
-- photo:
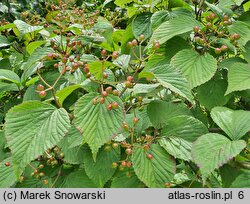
(64, 60)
(105, 75)
(102, 100)
(130, 78)
(135, 120)
(104, 93)
(157, 45)
(129, 164)
(208, 25)
(213, 16)
(196, 29)
(115, 105)
(7, 164)
(40, 87)
(208, 18)
(109, 107)
(149, 156)
(236, 36)
(115, 92)
(50, 56)
(56, 65)
(124, 163)
(86, 70)
(103, 52)
(128, 151)
(167, 184)
(109, 89)
(42, 94)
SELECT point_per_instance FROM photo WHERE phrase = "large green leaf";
(100, 171)
(142, 25)
(26, 28)
(238, 77)
(126, 179)
(78, 179)
(97, 124)
(197, 68)
(160, 112)
(173, 27)
(212, 150)
(4, 41)
(34, 45)
(65, 92)
(211, 93)
(179, 134)
(7, 175)
(235, 177)
(9, 75)
(172, 79)
(157, 171)
(235, 123)
(31, 128)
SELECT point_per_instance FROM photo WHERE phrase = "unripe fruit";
(46, 182)
(167, 184)
(109, 107)
(128, 84)
(135, 120)
(36, 171)
(50, 56)
(148, 138)
(128, 151)
(56, 65)
(115, 92)
(134, 42)
(41, 174)
(140, 99)
(104, 93)
(224, 48)
(196, 29)
(129, 164)
(115, 105)
(103, 52)
(130, 44)
(149, 156)
(130, 78)
(208, 18)
(41, 166)
(157, 45)
(236, 36)
(109, 89)
(115, 54)
(102, 100)
(114, 165)
(88, 75)
(105, 75)
(225, 18)
(64, 60)
(208, 25)
(213, 16)
(94, 102)
(7, 164)
(123, 143)
(115, 145)
(86, 70)
(141, 37)
(217, 51)
(40, 87)
(42, 94)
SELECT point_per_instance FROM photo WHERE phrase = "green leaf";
(25, 28)
(97, 124)
(235, 123)
(172, 79)
(9, 75)
(4, 87)
(33, 46)
(160, 112)
(126, 179)
(78, 179)
(75, 154)
(197, 68)
(7, 176)
(212, 150)
(235, 177)
(176, 26)
(142, 25)
(211, 93)
(4, 41)
(100, 171)
(246, 54)
(241, 28)
(157, 171)
(179, 134)
(158, 18)
(31, 128)
(238, 77)
(96, 68)
(65, 92)
(122, 61)
(121, 3)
